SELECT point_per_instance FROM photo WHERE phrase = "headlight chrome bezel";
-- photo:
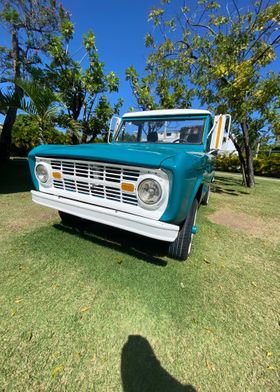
(161, 183)
(47, 167)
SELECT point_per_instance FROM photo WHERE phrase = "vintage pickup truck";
(149, 179)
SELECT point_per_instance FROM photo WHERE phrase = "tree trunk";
(41, 134)
(242, 161)
(84, 138)
(6, 135)
(73, 137)
(250, 179)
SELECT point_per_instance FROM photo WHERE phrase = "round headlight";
(42, 173)
(149, 191)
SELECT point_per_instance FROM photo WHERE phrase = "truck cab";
(149, 178)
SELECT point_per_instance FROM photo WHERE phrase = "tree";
(31, 24)
(82, 88)
(26, 135)
(42, 105)
(225, 52)
(38, 101)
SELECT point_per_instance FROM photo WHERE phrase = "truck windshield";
(185, 131)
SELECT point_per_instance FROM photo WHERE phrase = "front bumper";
(136, 224)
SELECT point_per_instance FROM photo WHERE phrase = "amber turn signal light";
(57, 175)
(127, 187)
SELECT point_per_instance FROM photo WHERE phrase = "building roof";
(165, 112)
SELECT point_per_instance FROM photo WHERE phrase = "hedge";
(263, 165)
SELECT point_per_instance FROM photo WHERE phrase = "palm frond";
(41, 96)
(28, 107)
(8, 99)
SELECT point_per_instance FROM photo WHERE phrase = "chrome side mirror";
(114, 125)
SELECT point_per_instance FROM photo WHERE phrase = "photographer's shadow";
(141, 371)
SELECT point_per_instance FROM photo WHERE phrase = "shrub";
(263, 165)
(25, 135)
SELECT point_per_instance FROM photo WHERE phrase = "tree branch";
(237, 9)
(258, 38)
(266, 49)
(201, 25)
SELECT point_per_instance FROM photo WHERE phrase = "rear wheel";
(68, 219)
(180, 249)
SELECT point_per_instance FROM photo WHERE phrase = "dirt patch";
(251, 225)
(37, 219)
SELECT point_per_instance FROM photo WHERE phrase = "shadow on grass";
(15, 177)
(143, 248)
(227, 185)
(141, 371)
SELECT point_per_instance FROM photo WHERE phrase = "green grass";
(102, 310)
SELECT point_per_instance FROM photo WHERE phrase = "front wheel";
(180, 249)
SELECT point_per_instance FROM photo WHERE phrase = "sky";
(120, 27)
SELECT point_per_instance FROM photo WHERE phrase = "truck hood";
(131, 154)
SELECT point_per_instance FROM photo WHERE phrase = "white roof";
(165, 112)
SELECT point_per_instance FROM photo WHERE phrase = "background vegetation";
(222, 56)
(264, 165)
(39, 53)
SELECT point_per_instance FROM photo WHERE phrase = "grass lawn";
(98, 309)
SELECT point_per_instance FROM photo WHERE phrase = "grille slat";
(109, 180)
(58, 184)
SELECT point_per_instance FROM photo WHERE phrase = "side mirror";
(220, 131)
(114, 125)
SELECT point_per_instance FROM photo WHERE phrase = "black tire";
(205, 199)
(180, 249)
(69, 220)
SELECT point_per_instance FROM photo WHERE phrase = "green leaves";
(149, 40)
(141, 89)
(40, 102)
(89, 41)
(82, 85)
(220, 56)
(10, 14)
(112, 81)
(67, 29)
(155, 15)
(26, 135)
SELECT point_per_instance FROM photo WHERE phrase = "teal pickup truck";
(150, 178)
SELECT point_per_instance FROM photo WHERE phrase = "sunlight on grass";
(87, 309)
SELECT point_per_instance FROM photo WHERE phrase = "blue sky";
(120, 27)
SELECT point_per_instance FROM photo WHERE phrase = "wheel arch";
(198, 195)
(197, 192)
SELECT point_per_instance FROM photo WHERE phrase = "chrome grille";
(95, 179)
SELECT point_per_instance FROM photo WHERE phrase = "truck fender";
(196, 193)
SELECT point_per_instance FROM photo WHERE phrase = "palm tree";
(40, 102)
